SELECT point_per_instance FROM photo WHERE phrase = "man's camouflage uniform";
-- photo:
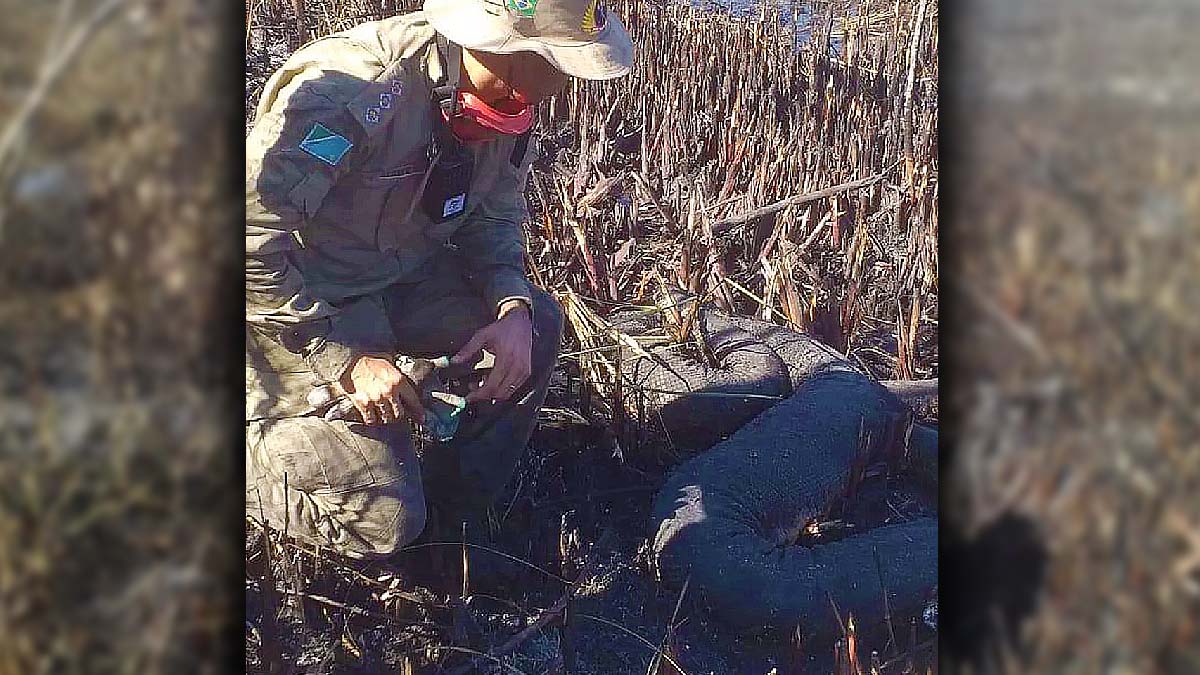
(342, 261)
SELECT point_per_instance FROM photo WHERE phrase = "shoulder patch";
(327, 146)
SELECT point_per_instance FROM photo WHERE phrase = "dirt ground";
(579, 508)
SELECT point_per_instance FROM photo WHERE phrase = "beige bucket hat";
(580, 37)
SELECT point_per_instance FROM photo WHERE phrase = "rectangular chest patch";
(454, 205)
(325, 145)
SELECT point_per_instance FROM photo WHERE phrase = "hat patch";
(595, 17)
(522, 8)
(325, 145)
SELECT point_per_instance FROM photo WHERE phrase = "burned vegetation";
(777, 163)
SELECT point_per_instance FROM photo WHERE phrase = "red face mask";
(478, 121)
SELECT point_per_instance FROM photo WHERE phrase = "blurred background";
(120, 325)
(1071, 342)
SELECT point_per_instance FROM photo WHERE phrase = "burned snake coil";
(778, 425)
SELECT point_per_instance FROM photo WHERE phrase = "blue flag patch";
(325, 145)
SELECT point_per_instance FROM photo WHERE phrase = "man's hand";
(510, 340)
(380, 392)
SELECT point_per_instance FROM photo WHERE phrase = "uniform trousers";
(361, 489)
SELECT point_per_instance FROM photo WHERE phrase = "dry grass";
(1076, 190)
(652, 182)
(798, 185)
(112, 426)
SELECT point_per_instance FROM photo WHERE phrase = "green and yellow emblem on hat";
(594, 19)
(578, 37)
(522, 8)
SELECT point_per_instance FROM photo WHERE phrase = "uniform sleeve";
(297, 151)
(491, 241)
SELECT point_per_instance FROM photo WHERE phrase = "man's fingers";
(366, 409)
(387, 411)
(504, 387)
(477, 342)
(500, 374)
(394, 408)
(492, 384)
(393, 411)
(409, 401)
(517, 375)
(519, 378)
(382, 399)
(390, 411)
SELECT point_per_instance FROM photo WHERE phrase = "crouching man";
(384, 200)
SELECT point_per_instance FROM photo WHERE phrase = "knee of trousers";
(353, 487)
(393, 518)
